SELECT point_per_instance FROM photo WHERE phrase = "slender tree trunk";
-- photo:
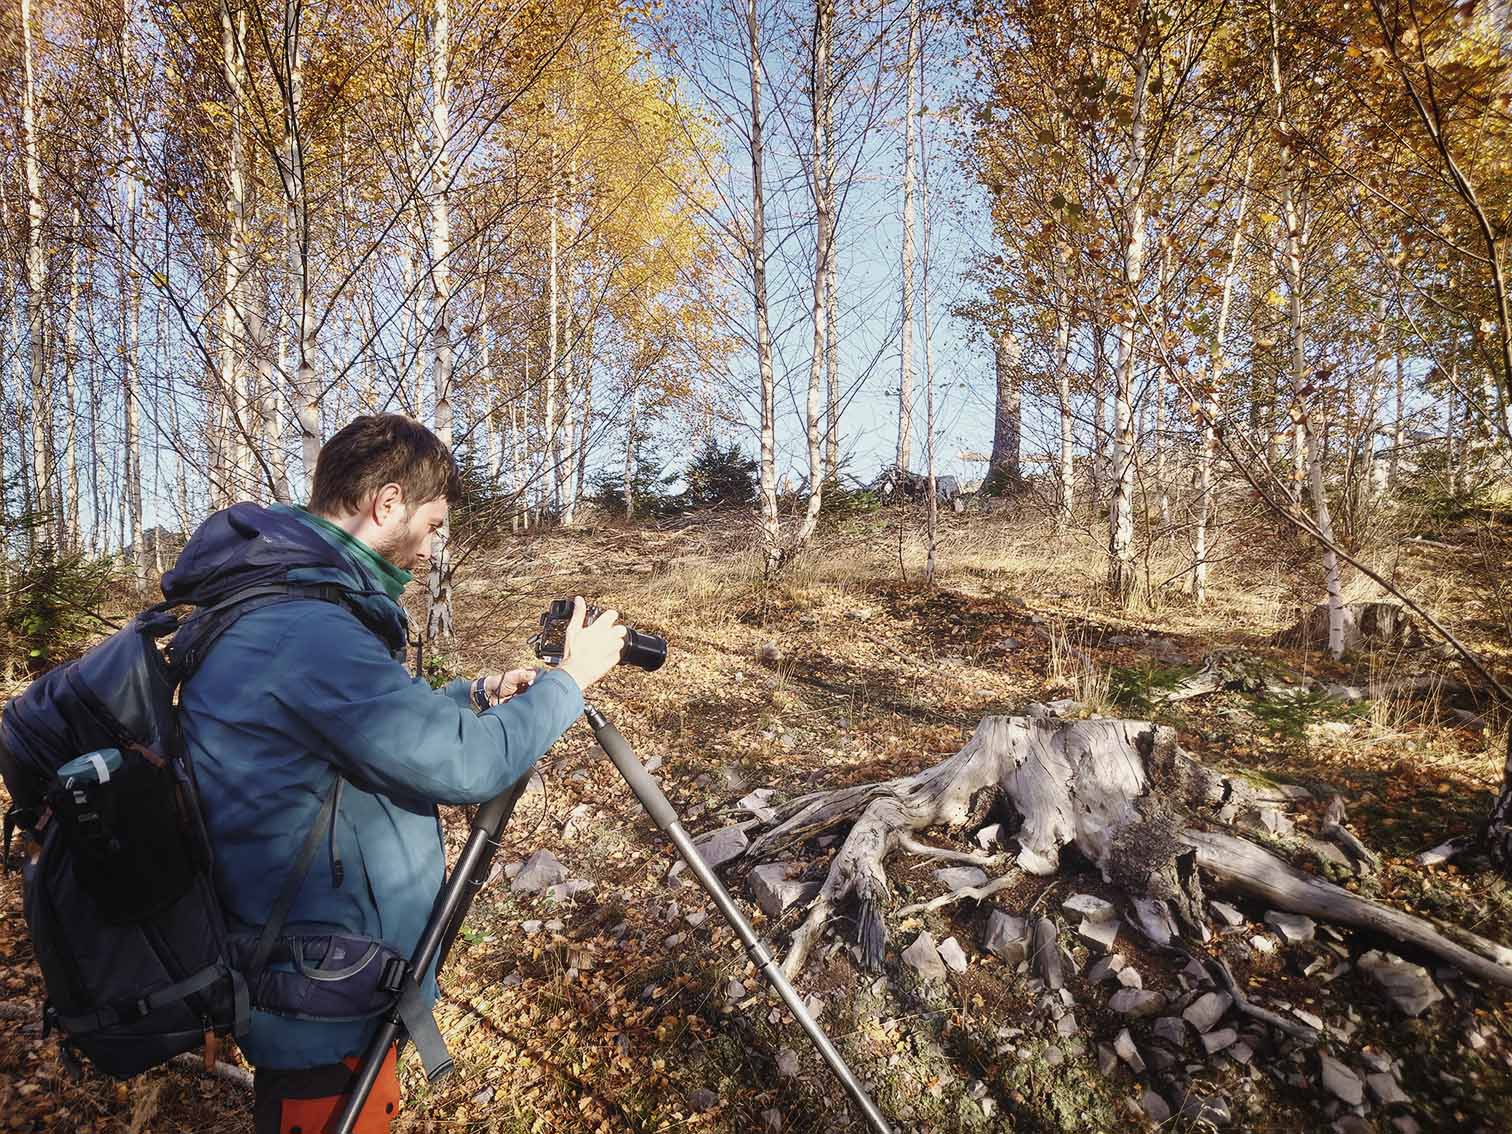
(1067, 469)
(932, 522)
(438, 622)
(630, 461)
(1162, 482)
(301, 277)
(831, 346)
(1306, 428)
(1399, 415)
(905, 379)
(1121, 568)
(1004, 466)
(71, 539)
(823, 215)
(771, 532)
(1217, 365)
(549, 429)
(36, 282)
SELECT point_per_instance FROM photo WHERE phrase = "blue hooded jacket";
(298, 692)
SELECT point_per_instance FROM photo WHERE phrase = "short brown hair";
(386, 448)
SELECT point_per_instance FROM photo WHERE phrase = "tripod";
(472, 871)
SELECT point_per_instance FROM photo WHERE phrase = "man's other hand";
(591, 650)
(500, 687)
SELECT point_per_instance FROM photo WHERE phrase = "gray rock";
(1066, 1026)
(1129, 977)
(1386, 1090)
(1340, 1081)
(1053, 1056)
(1172, 1029)
(1211, 1109)
(1241, 1053)
(566, 891)
(1311, 1019)
(1438, 855)
(483, 1097)
(722, 846)
(1044, 953)
(787, 1062)
(540, 871)
(697, 918)
(960, 877)
(1409, 986)
(1107, 1059)
(1347, 693)
(1298, 930)
(1156, 1109)
(1262, 944)
(1154, 920)
(1005, 937)
(702, 1098)
(1275, 821)
(1136, 1002)
(1089, 907)
(1124, 1046)
(1227, 914)
(756, 804)
(1214, 1042)
(1205, 1012)
(735, 990)
(775, 891)
(924, 959)
(952, 954)
(1100, 934)
(1102, 969)
(513, 980)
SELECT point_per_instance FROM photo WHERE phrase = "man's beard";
(396, 549)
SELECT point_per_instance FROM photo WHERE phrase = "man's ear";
(388, 504)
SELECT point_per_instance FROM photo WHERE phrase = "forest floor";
(631, 1006)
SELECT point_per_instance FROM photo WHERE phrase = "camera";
(644, 651)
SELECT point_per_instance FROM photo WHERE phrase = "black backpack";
(124, 919)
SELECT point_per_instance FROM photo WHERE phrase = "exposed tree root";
(1127, 798)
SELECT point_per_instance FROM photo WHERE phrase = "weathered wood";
(1240, 865)
(1130, 801)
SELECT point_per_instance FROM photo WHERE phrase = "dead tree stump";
(1124, 794)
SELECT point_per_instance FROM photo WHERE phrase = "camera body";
(644, 651)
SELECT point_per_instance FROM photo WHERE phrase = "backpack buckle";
(395, 971)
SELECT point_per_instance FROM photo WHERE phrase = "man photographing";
(321, 761)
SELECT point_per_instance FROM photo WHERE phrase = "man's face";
(406, 542)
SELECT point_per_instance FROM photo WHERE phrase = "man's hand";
(500, 687)
(591, 650)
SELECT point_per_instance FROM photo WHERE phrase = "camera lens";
(644, 651)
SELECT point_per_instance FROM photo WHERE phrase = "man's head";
(388, 481)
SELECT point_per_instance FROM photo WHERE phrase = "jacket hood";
(247, 545)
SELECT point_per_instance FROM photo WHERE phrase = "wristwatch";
(479, 693)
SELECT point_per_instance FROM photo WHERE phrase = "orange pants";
(308, 1100)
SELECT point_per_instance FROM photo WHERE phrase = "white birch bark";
(932, 515)
(1296, 238)
(771, 532)
(438, 621)
(814, 418)
(306, 382)
(905, 377)
(1067, 481)
(36, 282)
(1004, 465)
(1398, 427)
(71, 534)
(1209, 404)
(552, 451)
(831, 346)
(1121, 569)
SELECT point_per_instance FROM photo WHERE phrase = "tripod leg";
(661, 810)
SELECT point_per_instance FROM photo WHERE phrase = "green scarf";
(391, 578)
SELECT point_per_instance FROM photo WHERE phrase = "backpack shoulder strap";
(221, 616)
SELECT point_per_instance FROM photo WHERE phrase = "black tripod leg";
(440, 933)
(661, 810)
